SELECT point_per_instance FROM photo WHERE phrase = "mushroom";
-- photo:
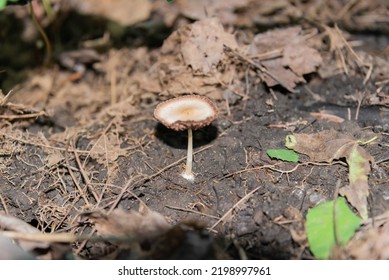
(189, 112)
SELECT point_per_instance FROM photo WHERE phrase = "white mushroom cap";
(184, 112)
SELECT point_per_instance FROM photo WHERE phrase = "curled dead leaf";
(192, 59)
(326, 146)
(286, 54)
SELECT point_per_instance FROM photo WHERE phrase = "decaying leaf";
(286, 54)
(301, 59)
(203, 48)
(192, 59)
(135, 225)
(371, 242)
(357, 191)
(324, 146)
(289, 79)
(327, 146)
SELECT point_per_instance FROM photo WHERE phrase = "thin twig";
(4, 204)
(84, 175)
(272, 167)
(5, 99)
(43, 145)
(191, 211)
(247, 196)
(81, 191)
(24, 116)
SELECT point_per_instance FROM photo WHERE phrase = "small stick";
(4, 204)
(191, 211)
(24, 116)
(247, 196)
(81, 191)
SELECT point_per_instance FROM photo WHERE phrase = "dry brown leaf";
(203, 49)
(327, 146)
(122, 11)
(357, 191)
(274, 39)
(138, 226)
(288, 78)
(121, 109)
(324, 146)
(192, 59)
(289, 56)
(301, 58)
(371, 242)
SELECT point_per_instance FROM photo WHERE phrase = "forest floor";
(83, 160)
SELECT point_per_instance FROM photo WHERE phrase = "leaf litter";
(126, 83)
(285, 47)
(327, 146)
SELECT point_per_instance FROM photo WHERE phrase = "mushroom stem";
(189, 158)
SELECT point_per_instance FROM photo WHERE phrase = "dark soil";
(54, 167)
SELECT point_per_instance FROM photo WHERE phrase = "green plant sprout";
(42, 32)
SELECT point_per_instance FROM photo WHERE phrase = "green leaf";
(2, 4)
(283, 154)
(327, 228)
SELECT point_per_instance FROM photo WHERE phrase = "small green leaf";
(2, 4)
(327, 228)
(282, 154)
